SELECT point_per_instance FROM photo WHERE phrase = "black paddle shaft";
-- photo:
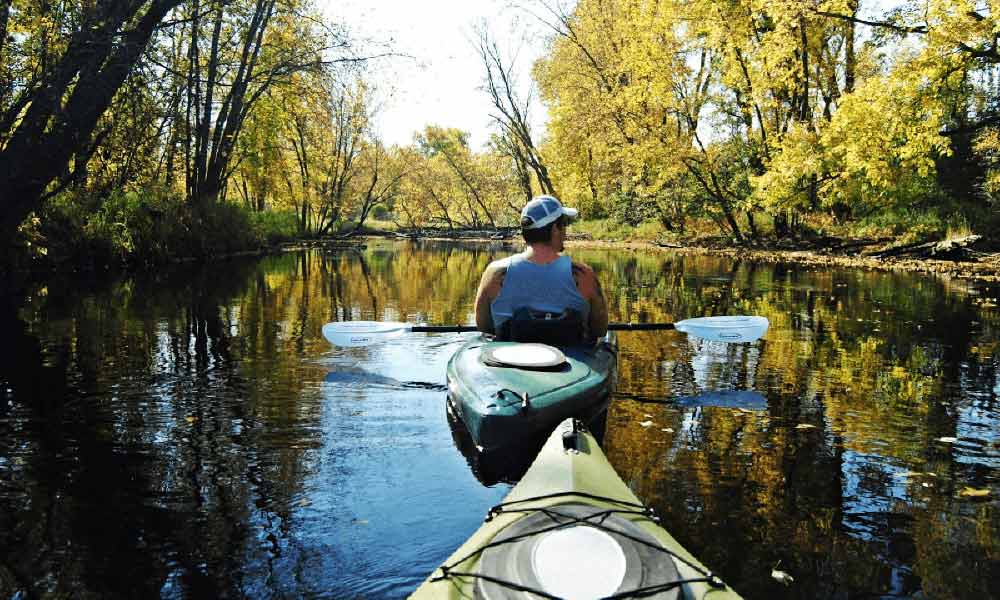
(611, 326)
(640, 326)
(444, 328)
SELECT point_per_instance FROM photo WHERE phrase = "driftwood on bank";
(324, 244)
(959, 249)
(500, 233)
(823, 244)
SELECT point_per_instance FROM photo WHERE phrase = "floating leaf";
(646, 424)
(304, 502)
(805, 426)
(667, 429)
(971, 492)
(947, 440)
(190, 420)
(781, 576)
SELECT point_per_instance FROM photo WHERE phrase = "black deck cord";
(496, 510)
(708, 577)
(517, 538)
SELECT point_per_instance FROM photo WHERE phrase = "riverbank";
(962, 258)
(971, 259)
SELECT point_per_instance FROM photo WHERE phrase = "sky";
(437, 79)
(435, 74)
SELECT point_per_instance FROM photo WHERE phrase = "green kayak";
(572, 529)
(502, 405)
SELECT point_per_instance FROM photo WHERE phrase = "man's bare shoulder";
(498, 265)
(582, 268)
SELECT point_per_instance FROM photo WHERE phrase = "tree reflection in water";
(190, 433)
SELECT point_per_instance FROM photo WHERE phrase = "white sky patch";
(441, 83)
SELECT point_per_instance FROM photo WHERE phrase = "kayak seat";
(527, 325)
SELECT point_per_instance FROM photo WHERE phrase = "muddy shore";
(982, 266)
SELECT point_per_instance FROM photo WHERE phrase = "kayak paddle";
(716, 329)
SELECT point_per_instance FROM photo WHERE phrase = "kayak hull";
(504, 406)
(570, 476)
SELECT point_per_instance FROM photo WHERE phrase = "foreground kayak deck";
(572, 528)
(490, 399)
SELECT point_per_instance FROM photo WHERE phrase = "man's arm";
(489, 289)
(590, 288)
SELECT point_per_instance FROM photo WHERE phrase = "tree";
(347, 114)
(384, 170)
(252, 46)
(49, 116)
(512, 114)
(453, 147)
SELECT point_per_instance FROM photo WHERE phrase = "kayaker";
(540, 294)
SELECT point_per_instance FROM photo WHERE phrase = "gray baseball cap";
(543, 210)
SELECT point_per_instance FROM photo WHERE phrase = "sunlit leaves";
(779, 106)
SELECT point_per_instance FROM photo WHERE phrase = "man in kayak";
(540, 294)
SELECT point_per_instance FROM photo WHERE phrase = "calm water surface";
(191, 434)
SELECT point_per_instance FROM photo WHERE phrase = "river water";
(189, 433)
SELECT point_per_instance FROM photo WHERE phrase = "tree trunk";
(214, 151)
(850, 60)
(513, 117)
(805, 114)
(61, 118)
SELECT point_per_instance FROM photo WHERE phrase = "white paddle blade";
(725, 329)
(351, 334)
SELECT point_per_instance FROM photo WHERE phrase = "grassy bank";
(133, 230)
(139, 230)
(901, 228)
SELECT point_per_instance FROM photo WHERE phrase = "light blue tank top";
(544, 288)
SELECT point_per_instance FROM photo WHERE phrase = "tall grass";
(147, 228)
(611, 230)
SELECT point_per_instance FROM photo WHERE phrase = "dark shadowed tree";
(49, 116)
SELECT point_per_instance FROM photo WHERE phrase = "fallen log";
(959, 249)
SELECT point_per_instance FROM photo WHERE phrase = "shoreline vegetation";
(958, 257)
(962, 255)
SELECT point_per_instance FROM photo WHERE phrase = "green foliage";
(631, 209)
(274, 227)
(377, 224)
(151, 227)
(611, 230)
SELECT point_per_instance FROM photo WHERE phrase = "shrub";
(151, 226)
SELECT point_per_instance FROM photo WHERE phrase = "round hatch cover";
(531, 356)
(578, 562)
(575, 551)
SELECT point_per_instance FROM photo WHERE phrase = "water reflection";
(190, 433)
(739, 399)
(509, 464)
(350, 376)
